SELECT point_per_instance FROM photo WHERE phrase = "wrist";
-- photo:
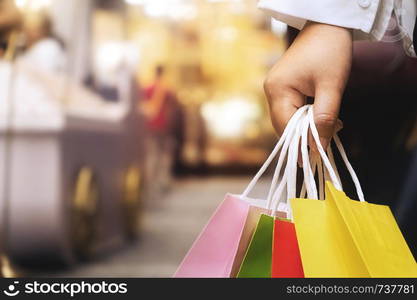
(322, 27)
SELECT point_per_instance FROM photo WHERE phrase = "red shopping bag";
(286, 259)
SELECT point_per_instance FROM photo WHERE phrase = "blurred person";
(44, 50)
(178, 132)
(10, 19)
(159, 106)
(9, 16)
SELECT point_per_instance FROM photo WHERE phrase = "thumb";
(326, 111)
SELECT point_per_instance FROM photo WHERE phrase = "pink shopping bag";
(213, 252)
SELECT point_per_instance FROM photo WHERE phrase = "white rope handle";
(303, 187)
(335, 180)
(314, 166)
(349, 167)
(310, 165)
(284, 154)
(333, 163)
(308, 173)
(288, 130)
(290, 173)
(292, 128)
(303, 191)
(292, 163)
(323, 155)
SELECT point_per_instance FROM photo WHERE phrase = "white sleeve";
(368, 18)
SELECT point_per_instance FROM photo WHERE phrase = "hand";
(316, 65)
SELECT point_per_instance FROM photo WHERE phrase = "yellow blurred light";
(229, 119)
(228, 33)
(278, 27)
(175, 9)
(33, 5)
(21, 3)
(215, 1)
(38, 4)
(183, 11)
(111, 55)
(135, 2)
(157, 8)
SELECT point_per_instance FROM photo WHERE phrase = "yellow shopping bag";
(375, 232)
(340, 237)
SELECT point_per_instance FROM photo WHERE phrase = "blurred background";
(123, 123)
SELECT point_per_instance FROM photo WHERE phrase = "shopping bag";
(257, 261)
(327, 249)
(350, 238)
(213, 252)
(246, 236)
(375, 233)
(247, 233)
(326, 246)
(286, 260)
(220, 246)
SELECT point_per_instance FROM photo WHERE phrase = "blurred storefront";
(217, 53)
(74, 78)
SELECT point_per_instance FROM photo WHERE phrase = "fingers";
(283, 103)
(282, 106)
(326, 112)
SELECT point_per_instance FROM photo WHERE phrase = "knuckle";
(269, 84)
(325, 119)
(273, 85)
